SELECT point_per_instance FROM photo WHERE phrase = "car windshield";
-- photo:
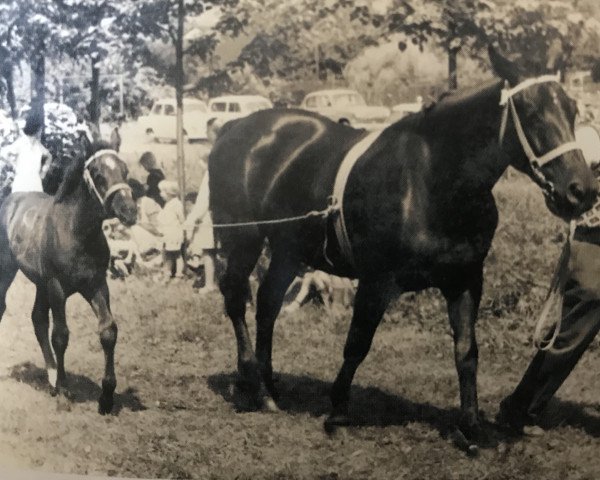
(219, 107)
(256, 106)
(342, 99)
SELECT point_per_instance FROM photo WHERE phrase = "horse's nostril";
(577, 192)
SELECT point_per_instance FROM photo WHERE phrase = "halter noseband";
(90, 182)
(536, 163)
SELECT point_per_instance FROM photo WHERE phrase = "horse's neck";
(85, 216)
(470, 127)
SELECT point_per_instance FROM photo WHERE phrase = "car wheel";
(344, 121)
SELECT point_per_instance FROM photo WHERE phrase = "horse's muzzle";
(124, 207)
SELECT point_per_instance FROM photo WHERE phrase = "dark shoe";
(513, 416)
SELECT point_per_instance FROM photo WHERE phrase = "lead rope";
(554, 299)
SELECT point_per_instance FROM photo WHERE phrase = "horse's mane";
(448, 102)
(74, 171)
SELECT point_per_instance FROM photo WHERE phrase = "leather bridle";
(536, 163)
(90, 182)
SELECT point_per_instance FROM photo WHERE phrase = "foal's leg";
(8, 270)
(240, 262)
(99, 300)
(60, 332)
(463, 305)
(372, 298)
(281, 273)
(40, 317)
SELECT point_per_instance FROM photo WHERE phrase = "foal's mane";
(74, 171)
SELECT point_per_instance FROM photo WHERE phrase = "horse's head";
(541, 116)
(106, 176)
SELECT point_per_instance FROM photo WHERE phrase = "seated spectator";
(145, 233)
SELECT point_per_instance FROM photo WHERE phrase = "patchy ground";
(176, 413)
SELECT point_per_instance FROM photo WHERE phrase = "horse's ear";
(503, 66)
(556, 57)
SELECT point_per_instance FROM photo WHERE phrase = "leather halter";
(536, 163)
(90, 182)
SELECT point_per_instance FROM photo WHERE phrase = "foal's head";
(541, 116)
(106, 177)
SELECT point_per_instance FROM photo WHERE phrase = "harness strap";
(533, 158)
(510, 92)
(339, 187)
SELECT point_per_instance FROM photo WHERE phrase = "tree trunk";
(179, 97)
(94, 107)
(452, 68)
(38, 79)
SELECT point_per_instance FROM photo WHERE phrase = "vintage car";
(160, 124)
(227, 107)
(346, 106)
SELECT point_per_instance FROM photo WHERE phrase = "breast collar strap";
(536, 163)
(90, 182)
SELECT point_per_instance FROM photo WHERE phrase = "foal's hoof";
(105, 405)
(334, 421)
(268, 405)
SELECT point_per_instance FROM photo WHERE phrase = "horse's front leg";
(463, 306)
(60, 333)
(372, 298)
(99, 300)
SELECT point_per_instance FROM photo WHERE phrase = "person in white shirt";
(32, 158)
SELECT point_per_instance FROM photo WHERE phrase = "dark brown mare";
(57, 242)
(417, 206)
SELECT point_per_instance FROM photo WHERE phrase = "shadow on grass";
(369, 406)
(372, 407)
(577, 415)
(81, 388)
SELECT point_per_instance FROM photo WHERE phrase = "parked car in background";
(401, 110)
(227, 107)
(346, 106)
(161, 122)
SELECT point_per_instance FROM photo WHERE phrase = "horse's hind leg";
(282, 271)
(107, 329)
(241, 260)
(40, 317)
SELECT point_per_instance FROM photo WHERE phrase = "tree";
(164, 20)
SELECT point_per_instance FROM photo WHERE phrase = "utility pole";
(179, 98)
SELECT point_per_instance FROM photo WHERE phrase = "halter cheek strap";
(90, 182)
(506, 100)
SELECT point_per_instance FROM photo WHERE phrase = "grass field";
(176, 414)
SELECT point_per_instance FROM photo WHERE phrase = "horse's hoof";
(63, 404)
(475, 435)
(334, 421)
(461, 442)
(105, 405)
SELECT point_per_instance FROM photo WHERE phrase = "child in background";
(170, 221)
(199, 228)
(155, 176)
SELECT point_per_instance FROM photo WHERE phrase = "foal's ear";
(503, 66)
